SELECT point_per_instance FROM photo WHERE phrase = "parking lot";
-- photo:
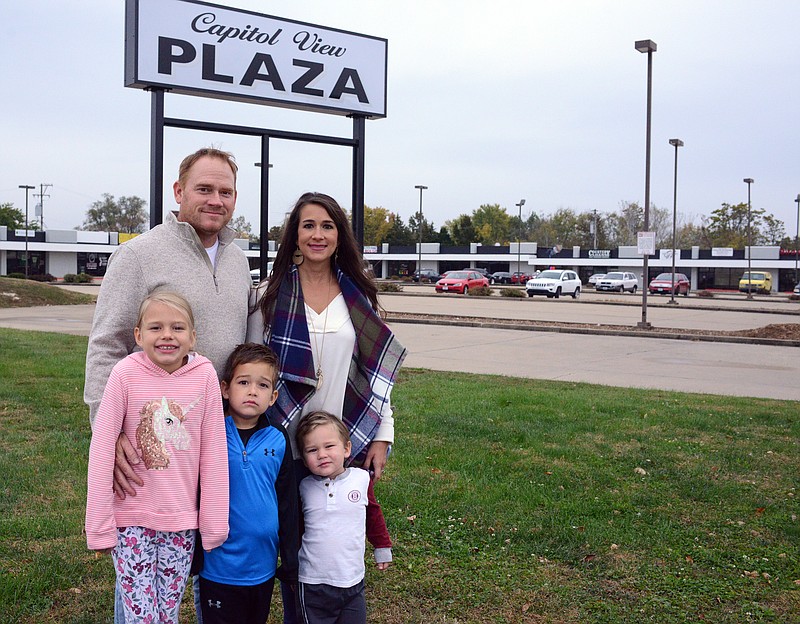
(624, 361)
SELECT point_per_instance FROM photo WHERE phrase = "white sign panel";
(646, 243)
(724, 252)
(196, 48)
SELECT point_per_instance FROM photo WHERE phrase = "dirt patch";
(778, 331)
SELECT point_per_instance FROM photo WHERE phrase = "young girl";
(167, 399)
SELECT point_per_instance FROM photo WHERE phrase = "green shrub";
(85, 278)
(16, 275)
(46, 277)
(70, 278)
(705, 294)
(389, 287)
(481, 291)
(511, 292)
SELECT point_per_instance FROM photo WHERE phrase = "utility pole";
(594, 227)
(41, 195)
(28, 188)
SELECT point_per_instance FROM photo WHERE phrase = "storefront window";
(15, 262)
(93, 263)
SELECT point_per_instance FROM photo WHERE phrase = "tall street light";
(797, 240)
(519, 232)
(27, 188)
(749, 181)
(647, 46)
(676, 143)
(419, 227)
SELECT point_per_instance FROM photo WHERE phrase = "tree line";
(491, 224)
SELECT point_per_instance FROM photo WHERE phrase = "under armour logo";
(269, 452)
(216, 604)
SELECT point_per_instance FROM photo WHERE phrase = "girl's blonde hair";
(172, 299)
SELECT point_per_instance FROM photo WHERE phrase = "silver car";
(619, 281)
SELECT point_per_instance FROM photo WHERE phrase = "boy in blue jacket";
(237, 578)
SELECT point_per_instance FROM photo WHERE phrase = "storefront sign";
(646, 243)
(599, 254)
(722, 252)
(202, 49)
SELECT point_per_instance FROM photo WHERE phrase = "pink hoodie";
(177, 424)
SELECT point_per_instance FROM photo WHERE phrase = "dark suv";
(427, 275)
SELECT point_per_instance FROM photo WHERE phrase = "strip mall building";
(60, 252)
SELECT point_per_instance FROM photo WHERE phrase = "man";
(192, 254)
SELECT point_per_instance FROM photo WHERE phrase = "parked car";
(756, 281)
(594, 277)
(500, 277)
(461, 282)
(427, 275)
(797, 289)
(662, 284)
(484, 272)
(518, 277)
(554, 284)
(619, 281)
(255, 274)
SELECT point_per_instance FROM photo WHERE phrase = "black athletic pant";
(235, 604)
(325, 604)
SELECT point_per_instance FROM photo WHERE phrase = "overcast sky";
(488, 102)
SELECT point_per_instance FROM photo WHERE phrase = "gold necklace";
(319, 350)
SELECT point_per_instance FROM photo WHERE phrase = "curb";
(633, 333)
(685, 305)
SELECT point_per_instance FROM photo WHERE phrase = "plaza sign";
(196, 48)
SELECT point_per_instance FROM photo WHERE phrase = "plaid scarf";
(376, 358)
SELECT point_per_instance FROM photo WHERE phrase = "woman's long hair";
(348, 255)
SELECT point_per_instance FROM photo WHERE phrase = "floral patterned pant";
(152, 569)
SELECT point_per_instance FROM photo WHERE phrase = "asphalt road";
(624, 361)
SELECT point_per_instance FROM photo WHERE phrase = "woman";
(319, 313)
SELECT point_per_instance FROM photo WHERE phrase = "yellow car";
(756, 281)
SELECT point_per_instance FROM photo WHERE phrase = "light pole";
(27, 188)
(676, 143)
(797, 240)
(648, 46)
(419, 227)
(749, 181)
(519, 232)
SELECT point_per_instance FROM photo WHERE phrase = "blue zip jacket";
(263, 516)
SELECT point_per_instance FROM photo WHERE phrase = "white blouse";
(333, 337)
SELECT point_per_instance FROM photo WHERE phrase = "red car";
(663, 284)
(520, 278)
(461, 282)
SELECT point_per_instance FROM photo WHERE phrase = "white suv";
(618, 281)
(554, 283)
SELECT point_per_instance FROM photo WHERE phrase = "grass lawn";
(508, 501)
(20, 293)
